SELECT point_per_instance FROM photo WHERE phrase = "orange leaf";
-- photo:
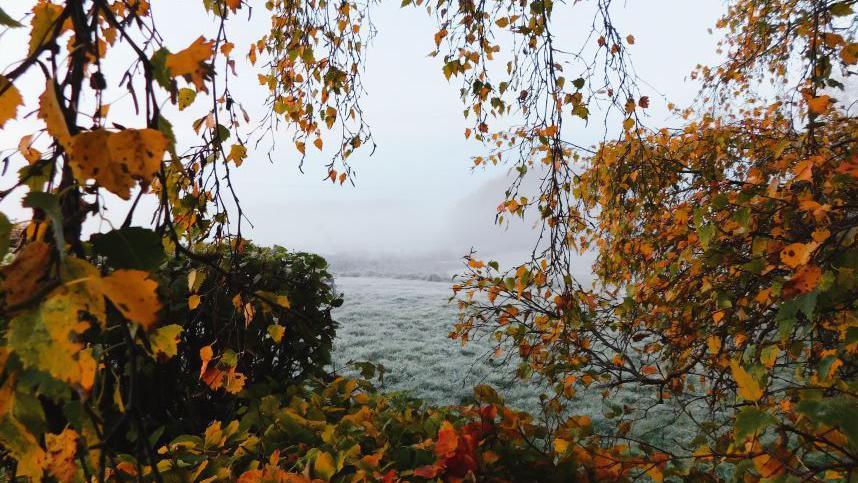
(447, 442)
(797, 254)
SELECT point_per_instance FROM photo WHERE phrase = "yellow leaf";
(45, 16)
(560, 445)
(134, 294)
(323, 466)
(237, 154)
(797, 254)
(226, 48)
(713, 344)
(194, 301)
(186, 97)
(749, 388)
(276, 332)
(10, 100)
(117, 160)
(45, 338)
(628, 124)
(189, 62)
(234, 381)
(165, 340)
(50, 112)
(318, 143)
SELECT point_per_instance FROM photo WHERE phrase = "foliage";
(726, 258)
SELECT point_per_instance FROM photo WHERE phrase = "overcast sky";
(417, 193)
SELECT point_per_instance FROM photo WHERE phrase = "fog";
(416, 196)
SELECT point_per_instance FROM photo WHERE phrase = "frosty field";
(403, 325)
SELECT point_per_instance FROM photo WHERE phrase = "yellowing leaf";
(45, 338)
(237, 154)
(323, 466)
(797, 254)
(165, 340)
(628, 124)
(189, 62)
(186, 97)
(560, 445)
(117, 160)
(713, 344)
(62, 449)
(749, 388)
(818, 105)
(26, 274)
(194, 301)
(134, 294)
(43, 24)
(10, 100)
(206, 355)
(50, 112)
(276, 332)
(234, 381)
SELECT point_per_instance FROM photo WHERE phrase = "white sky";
(417, 193)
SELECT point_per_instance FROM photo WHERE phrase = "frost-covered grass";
(403, 325)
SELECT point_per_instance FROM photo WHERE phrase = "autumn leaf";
(26, 275)
(189, 62)
(194, 301)
(134, 294)
(186, 97)
(323, 466)
(447, 441)
(61, 455)
(276, 332)
(206, 355)
(44, 338)
(117, 160)
(796, 254)
(10, 100)
(45, 16)
(749, 388)
(50, 112)
(165, 341)
(818, 105)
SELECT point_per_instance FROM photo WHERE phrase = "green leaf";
(8, 21)
(837, 412)
(50, 205)
(841, 9)
(486, 394)
(159, 67)
(706, 233)
(5, 235)
(132, 247)
(751, 421)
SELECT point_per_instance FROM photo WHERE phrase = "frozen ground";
(403, 325)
